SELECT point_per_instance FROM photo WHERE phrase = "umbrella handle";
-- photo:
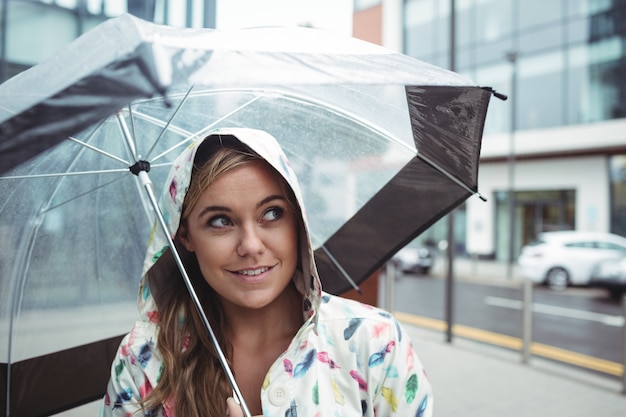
(147, 185)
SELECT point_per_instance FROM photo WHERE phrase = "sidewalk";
(471, 379)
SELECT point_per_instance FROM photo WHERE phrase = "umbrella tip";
(501, 96)
(482, 197)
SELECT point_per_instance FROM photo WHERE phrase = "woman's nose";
(251, 242)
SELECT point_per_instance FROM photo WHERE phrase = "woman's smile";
(244, 233)
(253, 275)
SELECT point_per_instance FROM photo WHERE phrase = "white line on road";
(513, 304)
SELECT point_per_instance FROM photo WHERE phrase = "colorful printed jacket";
(347, 359)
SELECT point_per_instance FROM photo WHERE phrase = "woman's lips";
(253, 275)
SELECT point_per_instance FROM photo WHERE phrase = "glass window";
(538, 12)
(493, 19)
(577, 30)
(493, 51)
(540, 39)
(588, 245)
(427, 27)
(35, 32)
(539, 90)
(465, 22)
(596, 85)
(497, 76)
(595, 6)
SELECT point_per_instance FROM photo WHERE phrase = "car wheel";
(424, 270)
(616, 294)
(557, 279)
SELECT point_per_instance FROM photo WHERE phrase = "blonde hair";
(192, 379)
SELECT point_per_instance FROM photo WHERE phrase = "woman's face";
(244, 234)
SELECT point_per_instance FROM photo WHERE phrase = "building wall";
(367, 25)
(587, 175)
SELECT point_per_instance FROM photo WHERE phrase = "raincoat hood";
(160, 270)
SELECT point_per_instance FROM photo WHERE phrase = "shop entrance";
(535, 212)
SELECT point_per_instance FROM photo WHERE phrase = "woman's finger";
(233, 409)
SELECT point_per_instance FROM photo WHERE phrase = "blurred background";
(555, 149)
(553, 156)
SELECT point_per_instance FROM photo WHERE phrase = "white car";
(559, 259)
(414, 260)
(610, 275)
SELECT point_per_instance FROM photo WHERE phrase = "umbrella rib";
(76, 197)
(66, 174)
(180, 105)
(343, 272)
(129, 139)
(336, 263)
(147, 185)
(450, 176)
(100, 151)
(209, 126)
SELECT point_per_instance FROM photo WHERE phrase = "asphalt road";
(580, 320)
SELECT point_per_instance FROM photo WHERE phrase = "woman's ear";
(183, 236)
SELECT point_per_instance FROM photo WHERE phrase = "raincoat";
(347, 359)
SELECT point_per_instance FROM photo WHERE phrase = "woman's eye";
(274, 213)
(220, 221)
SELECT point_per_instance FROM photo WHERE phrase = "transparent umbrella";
(384, 145)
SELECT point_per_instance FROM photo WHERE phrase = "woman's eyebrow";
(266, 200)
(269, 199)
(209, 209)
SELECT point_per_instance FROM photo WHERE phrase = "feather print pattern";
(304, 366)
(352, 326)
(391, 372)
(292, 411)
(359, 379)
(378, 357)
(411, 388)
(288, 366)
(421, 410)
(315, 395)
(390, 398)
(339, 398)
(144, 355)
(410, 359)
(324, 358)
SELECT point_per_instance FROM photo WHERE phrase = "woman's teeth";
(253, 272)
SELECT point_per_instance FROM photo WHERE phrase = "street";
(580, 320)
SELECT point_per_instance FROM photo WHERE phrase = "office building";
(556, 148)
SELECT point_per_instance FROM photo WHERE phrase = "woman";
(294, 350)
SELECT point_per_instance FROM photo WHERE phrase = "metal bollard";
(624, 344)
(391, 272)
(527, 321)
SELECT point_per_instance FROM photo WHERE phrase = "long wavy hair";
(192, 381)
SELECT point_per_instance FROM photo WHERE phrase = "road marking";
(514, 343)
(607, 319)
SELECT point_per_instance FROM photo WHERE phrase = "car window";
(610, 245)
(585, 244)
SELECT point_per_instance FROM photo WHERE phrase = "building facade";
(31, 30)
(554, 153)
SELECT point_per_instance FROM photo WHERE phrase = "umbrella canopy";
(384, 145)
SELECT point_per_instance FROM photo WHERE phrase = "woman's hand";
(233, 409)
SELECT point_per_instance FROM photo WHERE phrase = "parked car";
(414, 260)
(559, 259)
(610, 275)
